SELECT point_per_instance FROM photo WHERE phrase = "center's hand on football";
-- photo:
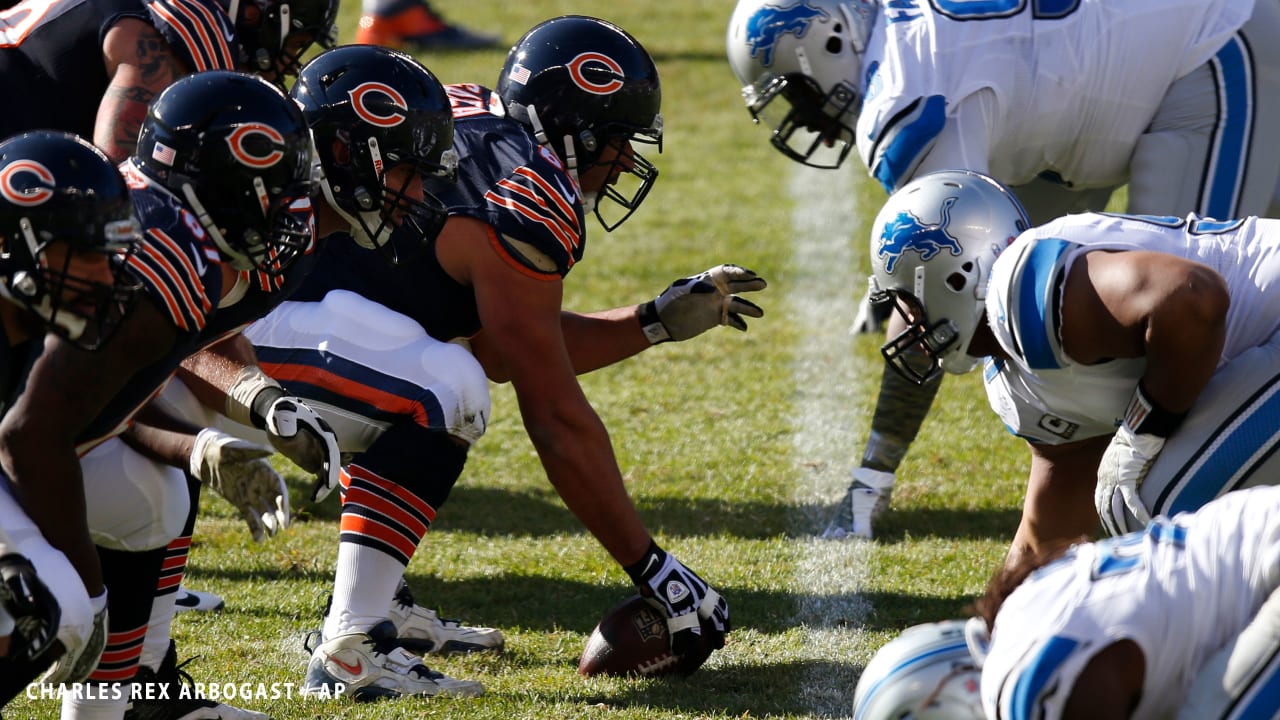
(693, 305)
(692, 607)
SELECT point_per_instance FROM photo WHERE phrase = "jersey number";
(993, 9)
(1118, 555)
(18, 22)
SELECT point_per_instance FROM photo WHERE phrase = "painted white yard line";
(832, 396)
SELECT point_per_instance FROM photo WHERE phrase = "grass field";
(734, 447)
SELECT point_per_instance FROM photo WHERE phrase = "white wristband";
(246, 387)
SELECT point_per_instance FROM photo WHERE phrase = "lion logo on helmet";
(767, 26)
(906, 232)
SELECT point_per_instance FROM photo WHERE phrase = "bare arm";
(162, 437)
(522, 320)
(1110, 686)
(593, 340)
(67, 388)
(1148, 304)
(1059, 502)
(140, 65)
(210, 373)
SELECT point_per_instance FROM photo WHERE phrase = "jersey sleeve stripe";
(550, 223)
(906, 139)
(520, 267)
(200, 32)
(1035, 320)
(1038, 677)
(539, 200)
(182, 275)
(566, 208)
(156, 272)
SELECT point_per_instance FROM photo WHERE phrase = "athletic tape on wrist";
(242, 397)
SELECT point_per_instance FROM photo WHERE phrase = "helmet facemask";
(810, 127)
(86, 311)
(628, 175)
(376, 201)
(917, 352)
(800, 65)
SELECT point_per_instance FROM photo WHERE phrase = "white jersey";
(1060, 104)
(1180, 589)
(1043, 395)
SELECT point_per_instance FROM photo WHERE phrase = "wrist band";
(1145, 416)
(651, 559)
(652, 325)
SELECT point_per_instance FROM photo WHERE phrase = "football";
(632, 639)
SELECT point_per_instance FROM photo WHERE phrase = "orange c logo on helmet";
(236, 141)
(399, 107)
(36, 192)
(583, 61)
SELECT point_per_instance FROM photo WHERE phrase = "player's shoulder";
(199, 32)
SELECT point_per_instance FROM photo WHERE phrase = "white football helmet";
(926, 673)
(807, 56)
(932, 248)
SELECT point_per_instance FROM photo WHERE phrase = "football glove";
(693, 305)
(305, 438)
(80, 656)
(238, 470)
(1120, 474)
(31, 611)
(685, 599)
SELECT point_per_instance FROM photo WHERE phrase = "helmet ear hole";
(957, 281)
(834, 44)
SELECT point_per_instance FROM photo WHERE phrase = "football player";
(398, 355)
(1136, 355)
(228, 229)
(1181, 619)
(91, 67)
(1064, 102)
(66, 225)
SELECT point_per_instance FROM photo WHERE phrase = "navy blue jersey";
(51, 64)
(181, 272)
(506, 180)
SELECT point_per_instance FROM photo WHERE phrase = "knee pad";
(133, 502)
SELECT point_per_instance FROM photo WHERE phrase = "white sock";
(363, 585)
(156, 643)
(109, 707)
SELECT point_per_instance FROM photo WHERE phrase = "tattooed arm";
(140, 65)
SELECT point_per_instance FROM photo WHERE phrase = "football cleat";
(171, 694)
(424, 631)
(197, 600)
(417, 26)
(864, 502)
(372, 665)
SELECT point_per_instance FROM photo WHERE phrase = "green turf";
(711, 436)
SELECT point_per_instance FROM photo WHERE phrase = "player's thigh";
(1213, 146)
(133, 503)
(1229, 439)
(364, 367)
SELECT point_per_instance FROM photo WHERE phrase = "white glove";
(238, 471)
(691, 306)
(305, 438)
(683, 597)
(1120, 474)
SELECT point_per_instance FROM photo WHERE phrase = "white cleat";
(424, 631)
(864, 502)
(373, 666)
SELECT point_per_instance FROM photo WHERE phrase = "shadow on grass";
(490, 511)
(757, 690)
(543, 604)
